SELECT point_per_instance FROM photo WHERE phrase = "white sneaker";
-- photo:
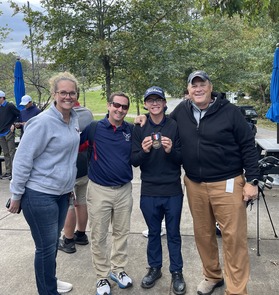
(103, 287)
(122, 279)
(145, 232)
(63, 287)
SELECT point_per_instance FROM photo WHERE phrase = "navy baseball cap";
(201, 74)
(154, 90)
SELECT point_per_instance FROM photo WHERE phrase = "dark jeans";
(45, 215)
(154, 209)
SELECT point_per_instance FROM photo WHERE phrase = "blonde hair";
(53, 81)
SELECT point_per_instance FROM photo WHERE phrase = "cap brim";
(154, 93)
(198, 76)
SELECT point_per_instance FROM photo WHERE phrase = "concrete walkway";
(17, 254)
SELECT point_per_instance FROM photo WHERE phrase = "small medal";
(156, 140)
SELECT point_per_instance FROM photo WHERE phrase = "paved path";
(266, 133)
(17, 253)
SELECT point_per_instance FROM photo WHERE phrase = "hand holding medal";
(166, 143)
(147, 144)
(156, 140)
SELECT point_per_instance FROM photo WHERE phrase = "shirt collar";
(4, 103)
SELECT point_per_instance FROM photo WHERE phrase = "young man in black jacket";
(156, 149)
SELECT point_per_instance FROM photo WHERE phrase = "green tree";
(231, 51)
(38, 88)
(94, 36)
(250, 9)
(7, 63)
(152, 46)
(133, 44)
(80, 35)
(4, 31)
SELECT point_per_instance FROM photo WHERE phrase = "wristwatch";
(254, 182)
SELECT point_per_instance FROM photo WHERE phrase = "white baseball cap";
(2, 94)
(25, 100)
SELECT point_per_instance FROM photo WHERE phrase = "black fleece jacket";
(160, 171)
(220, 147)
(8, 115)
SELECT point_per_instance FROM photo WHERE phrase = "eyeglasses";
(153, 100)
(117, 105)
(64, 94)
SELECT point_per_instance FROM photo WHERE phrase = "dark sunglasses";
(117, 105)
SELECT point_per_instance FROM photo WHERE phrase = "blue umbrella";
(273, 112)
(19, 87)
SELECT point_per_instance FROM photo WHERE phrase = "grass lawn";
(267, 124)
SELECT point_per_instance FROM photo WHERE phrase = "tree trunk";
(107, 67)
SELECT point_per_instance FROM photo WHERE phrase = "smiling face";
(155, 104)
(65, 96)
(200, 92)
(118, 109)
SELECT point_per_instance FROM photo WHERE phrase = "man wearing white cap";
(8, 115)
(29, 111)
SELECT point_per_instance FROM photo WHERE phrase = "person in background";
(44, 174)
(30, 110)
(221, 174)
(156, 149)
(8, 115)
(109, 193)
(77, 214)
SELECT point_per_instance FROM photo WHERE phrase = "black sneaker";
(6, 176)
(83, 240)
(67, 248)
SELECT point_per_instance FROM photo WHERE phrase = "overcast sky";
(14, 41)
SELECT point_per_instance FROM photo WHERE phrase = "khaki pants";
(209, 202)
(109, 205)
(7, 144)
